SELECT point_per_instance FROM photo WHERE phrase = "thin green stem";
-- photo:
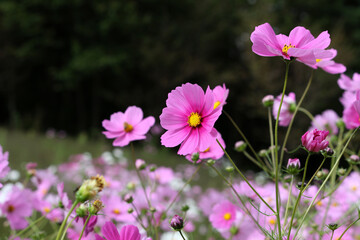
(277, 152)
(182, 189)
(86, 222)
(244, 178)
(288, 201)
(323, 184)
(348, 228)
(332, 234)
(30, 226)
(271, 137)
(299, 196)
(182, 235)
(66, 228)
(307, 113)
(65, 220)
(313, 176)
(262, 166)
(293, 118)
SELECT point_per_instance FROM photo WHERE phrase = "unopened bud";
(229, 169)
(82, 210)
(240, 146)
(327, 152)
(293, 166)
(177, 223)
(140, 164)
(153, 168)
(131, 186)
(130, 210)
(354, 159)
(234, 230)
(90, 188)
(152, 209)
(263, 153)
(333, 226)
(341, 171)
(211, 162)
(95, 207)
(195, 157)
(292, 107)
(185, 208)
(340, 123)
(128, 198)
(268, 100)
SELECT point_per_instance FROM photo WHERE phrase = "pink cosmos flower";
(315, 140)
(128, 126)
(4, 168)
(189, 117)
(220, 94)
(110, 232)
(287, 109)
(348, 98)
(327, 64)
(223, 215)
(299, 44)
(326, 121)
(351, 114)
(349, 84)
(17, 207)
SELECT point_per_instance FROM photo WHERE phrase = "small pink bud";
(140, 164)
(293, 162)
(177, 223)
(268, 100)
(315, 140)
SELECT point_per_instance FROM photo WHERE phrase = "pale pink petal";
(112, 126)
(206, 139)
(113, 134)
(321, 42)
(133, 115)
(282, 39)
(264, 41)
(122, 141)
(173, 138)
(300, 36)
(143, 127)
(177, 101)
(345, 82)
(194, 94)
(334, 68)
(190, 144)
(208, 102)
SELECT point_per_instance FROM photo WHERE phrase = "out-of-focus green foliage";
(69, 64)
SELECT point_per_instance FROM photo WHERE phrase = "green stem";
(332, 234)
(313, 176)
(271, 137)
(66, 228)
(244, 178)
(292, 119)
(30, 226)
(277, 152)
(299, 196)
(288, 201)
(182, 189)
(254, 161)
(182, 235)
(307, 113)
(323, 184)
(86, 222)
(65, 220)
(348, 228)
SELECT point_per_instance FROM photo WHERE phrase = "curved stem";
(244, 178)
(348, 228)
(86, 222)
(30, 226)
(324, 182)
(307, 113)
(66, 228)
(182, 235)
(65, 220)
(292, 119)
(271, 137)
(332, 234)
(289, 197)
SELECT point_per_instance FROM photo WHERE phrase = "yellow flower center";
(128, 127)
(10, 208)
(319, 204)
(354, 188)
(227, 216)
(286, 48)
(116, 211)
(318, 60)
(335, 204)
(216, 104)
(206, 150)
(194, 120)
(272, 221)
(46, 209)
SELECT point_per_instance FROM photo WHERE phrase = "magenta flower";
(293, 162)
(315, 140)
(299, 44)
(287, 109)
(189, 117)
(110, 232)
(223, 215)
(17, 208)
(326, 121)
(351, 114)
(128, 126)
(349, 84)
(220, 94)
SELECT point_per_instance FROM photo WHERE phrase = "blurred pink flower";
(326, 121)
(128, 126)
(299, 44)
(4, 164)
(17, 207)
(223, 215)
(110, 232)
(287, 108)
(189, 117)
(315, 140)
(349, 84)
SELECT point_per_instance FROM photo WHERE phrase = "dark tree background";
(69, 64)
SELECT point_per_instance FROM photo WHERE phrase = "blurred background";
(65, 65)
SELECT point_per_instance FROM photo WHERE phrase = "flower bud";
(82, 210)
(327, 152)
(210, 162)
(354, 159)
(131, 186)
(140, 164)
(185, 208)
(293, 166)
(177, 223)
(333, 226)
(153, 168)
(340, 123)
(268, 101)
(341, 171)
(128, 198)
(90, 188)
(130, 210)
(229, 169)
(234, 230)
(315, 140)
(240, 146)
(31, 168)
(195, 157)
(152, 209)
(292, 107)
(95, 207)
(263, 153)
